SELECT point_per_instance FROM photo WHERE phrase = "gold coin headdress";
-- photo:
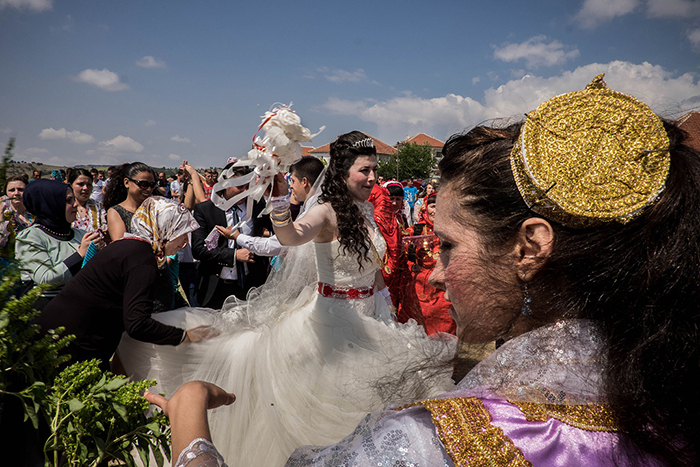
(590, 157)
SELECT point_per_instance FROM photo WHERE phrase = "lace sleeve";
(200, 453)
(406, 437)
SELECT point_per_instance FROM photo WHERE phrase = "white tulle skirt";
(306, 378)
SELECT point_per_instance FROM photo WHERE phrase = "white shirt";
(261, 246)
(176, 187)
(97, 190)
(247, 228)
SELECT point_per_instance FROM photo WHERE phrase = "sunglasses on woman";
(143, 184)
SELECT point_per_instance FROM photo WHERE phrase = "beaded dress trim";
(465, 429)
(589, 417)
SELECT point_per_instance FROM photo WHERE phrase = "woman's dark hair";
(639, 280)
(395, 190)
(75, 173)
(116, 192)
(352, 231)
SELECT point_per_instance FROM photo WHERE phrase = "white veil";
(291, 282)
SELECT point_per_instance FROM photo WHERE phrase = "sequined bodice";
(338, 268)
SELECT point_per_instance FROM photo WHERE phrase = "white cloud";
(103, 79)
(536, 52)
(595, 12)
(336, 75)
(149, 123)
(666, 93)
(178, 139)
(174, 157)
(6, 130)
(74, 136)
(475, 80)
(673, 9)
(150, 62)
(119, 145)
(694, 37)
(34, 5)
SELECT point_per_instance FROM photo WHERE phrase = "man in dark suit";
(227, 269)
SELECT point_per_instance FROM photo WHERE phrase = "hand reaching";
(200, 333)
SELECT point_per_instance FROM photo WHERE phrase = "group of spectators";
(206, 273)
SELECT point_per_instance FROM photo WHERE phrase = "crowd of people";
(568, 238)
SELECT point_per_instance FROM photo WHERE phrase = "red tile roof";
(382, 148)
(421, 139)
(306, 150)
(690, 122)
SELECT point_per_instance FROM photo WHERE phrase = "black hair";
(352, 231)
(308, 167)
(638, 280)
(116, 192)
(395, 190)
(75, 173)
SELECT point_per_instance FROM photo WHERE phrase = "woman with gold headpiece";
(114, 292)
(573, 237)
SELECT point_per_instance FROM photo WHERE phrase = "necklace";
(55, 234)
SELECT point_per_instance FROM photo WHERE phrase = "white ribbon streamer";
(278, 150)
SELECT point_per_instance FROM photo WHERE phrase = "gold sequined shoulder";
(465, 429)
(589, 417)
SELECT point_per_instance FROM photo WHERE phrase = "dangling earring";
(525, 310)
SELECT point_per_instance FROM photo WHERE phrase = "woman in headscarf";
(420, 300)
(51, 251)
(115, 290)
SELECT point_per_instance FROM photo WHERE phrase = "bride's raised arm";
(318, 221)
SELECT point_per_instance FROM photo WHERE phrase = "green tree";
(414, 161)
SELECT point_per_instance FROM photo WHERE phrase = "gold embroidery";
(464, 426)
(588, 417)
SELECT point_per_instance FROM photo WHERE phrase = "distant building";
(306, 151)
(690, 122)
(423, 139)
(384, 151)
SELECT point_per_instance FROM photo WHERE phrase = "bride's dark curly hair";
(352, 231)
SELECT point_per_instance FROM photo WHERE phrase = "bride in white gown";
(315, 349)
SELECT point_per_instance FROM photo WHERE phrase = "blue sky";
(97, 81)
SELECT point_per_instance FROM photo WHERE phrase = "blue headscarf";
(46, 199)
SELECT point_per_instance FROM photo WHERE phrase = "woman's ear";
(533, 245)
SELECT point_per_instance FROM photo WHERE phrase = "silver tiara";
(364, 143)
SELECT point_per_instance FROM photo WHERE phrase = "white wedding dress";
(305, 368)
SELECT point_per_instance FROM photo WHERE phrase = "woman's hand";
(190, 170)
(200, 333)
(211, 395)
(187, 410)
(94, 237)
(280, 187)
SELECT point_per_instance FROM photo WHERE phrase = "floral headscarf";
(159, 220)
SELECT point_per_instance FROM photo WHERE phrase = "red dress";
(394, 261)
(420, 300)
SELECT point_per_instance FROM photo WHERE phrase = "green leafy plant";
(93, 416)
(98, 416)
